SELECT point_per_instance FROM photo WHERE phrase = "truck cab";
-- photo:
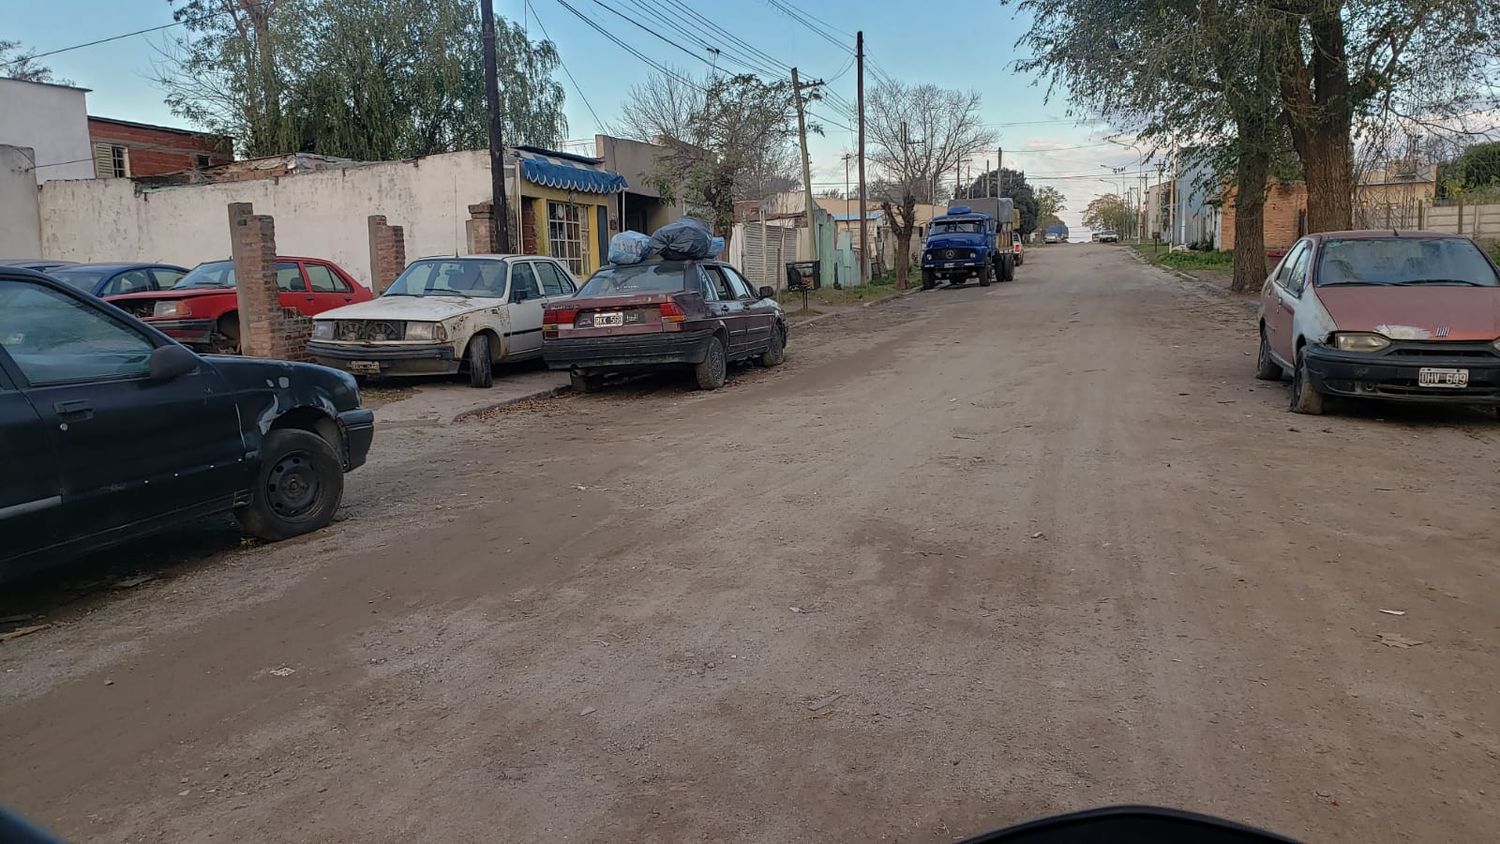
(970, 242)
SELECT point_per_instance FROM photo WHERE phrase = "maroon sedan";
(658, 314)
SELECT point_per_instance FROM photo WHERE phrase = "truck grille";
(373, 330)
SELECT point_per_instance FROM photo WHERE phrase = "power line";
(96, 42)
(629, 49)
(569, 73)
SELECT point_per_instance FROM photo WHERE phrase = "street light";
(1140, 225)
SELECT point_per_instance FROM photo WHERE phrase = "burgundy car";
(659, 314)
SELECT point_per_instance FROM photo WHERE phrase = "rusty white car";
(444, 316)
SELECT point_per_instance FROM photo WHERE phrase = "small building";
(124, 148)
(642, 206)
(52, 122)
(564, 206)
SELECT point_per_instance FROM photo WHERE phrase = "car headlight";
(322, 329)
(1497, 345)
(429, 331)
(170, 309)
(1353, 341)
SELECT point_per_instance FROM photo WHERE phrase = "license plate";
(364, 367)
(1429, 376)
(607, 320)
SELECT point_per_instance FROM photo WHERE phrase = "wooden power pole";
(864, 214)
(500, 216)
(807, 191)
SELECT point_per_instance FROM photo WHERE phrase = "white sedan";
(446, 315)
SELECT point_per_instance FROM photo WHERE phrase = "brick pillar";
(528, 227)
(478, 228)
(387, 253)
(267, 330)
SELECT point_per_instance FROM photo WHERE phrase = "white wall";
(52, 120)
(321, 214)
(20, 226)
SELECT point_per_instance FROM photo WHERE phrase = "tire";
(226, 338)
(1266, 368)
(1020, 259)
(929, 280)
(1305, 398)
(775, 354)
(297, 489)
(481, 365)
(987, 274)
(1008, 270)
(711, 373)
(586, 382)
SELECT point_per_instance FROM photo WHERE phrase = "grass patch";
(1184, 260)
(830, 296)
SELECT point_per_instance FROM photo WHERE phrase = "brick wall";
(155, 150)
(1285, 213)
(387, 253)
(267, 330)
(477, 227)
(528, 226)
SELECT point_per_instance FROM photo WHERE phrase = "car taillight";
(672, 312)
(559, 316)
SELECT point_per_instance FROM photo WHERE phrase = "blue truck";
(974, 238)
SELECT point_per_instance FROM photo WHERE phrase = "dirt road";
(971, 557)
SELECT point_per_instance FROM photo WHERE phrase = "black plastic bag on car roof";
(686, 239)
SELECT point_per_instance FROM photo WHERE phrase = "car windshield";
(83, 278)
(654, 277)
(211, 274)
(1405, 260)
(956, 226)
(468, 277)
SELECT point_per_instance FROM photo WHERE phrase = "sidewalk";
(436, 403)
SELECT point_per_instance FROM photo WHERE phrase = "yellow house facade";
(566, 204)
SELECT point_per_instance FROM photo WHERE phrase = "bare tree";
(729, 138)
(17, 63)
(916, 134)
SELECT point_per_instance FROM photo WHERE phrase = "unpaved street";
(970, 557)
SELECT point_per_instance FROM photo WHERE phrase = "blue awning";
(568, 172)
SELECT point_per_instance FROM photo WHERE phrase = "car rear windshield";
(211, 274)
(83, 278)
(1405, 260)
(653, 277)
(956, 226)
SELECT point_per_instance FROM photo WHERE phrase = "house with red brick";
(124, 148)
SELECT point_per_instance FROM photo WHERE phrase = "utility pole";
(864, 214)
(500, 213)
(807, 191)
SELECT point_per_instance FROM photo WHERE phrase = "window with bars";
(565, 240)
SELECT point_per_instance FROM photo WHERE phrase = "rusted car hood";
(1415, 312)
(415, 308)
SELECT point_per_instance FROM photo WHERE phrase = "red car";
(202, 311)
(698, 315)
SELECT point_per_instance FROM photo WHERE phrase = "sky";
(1039, 136)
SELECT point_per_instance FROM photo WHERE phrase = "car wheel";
(586, 382)
(1305, 397)
(929, 280)
(987, 274)
(226, 337)
(1020, 258)
(711, 372)
(775, 353)
(481, 365)
(297, 489)
(1266, 368)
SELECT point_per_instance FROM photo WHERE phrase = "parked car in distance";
(1109, 236)
(41, 265)
(699, 315)
(444, 315)
(1020, 252)
(1052, 237)
(1398, 316)
(109, 430)
(118, 278)
(202, 310)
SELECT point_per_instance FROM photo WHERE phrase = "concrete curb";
(539, 394)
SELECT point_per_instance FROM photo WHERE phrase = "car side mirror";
(767, 293)
(171, 361)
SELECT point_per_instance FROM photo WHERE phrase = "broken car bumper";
(402, 359)
(627, 351)
(358, 426)
(195, 333)
(1391, 377)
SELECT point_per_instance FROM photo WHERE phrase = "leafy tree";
(728, 138)
(16, 63)
(1049, 203)
(917, 133)
(360, 79)
(1477, 168)
(1012, 184)
(1107, 212)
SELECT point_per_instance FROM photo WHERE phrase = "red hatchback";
(202, 310)
(658, 314)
